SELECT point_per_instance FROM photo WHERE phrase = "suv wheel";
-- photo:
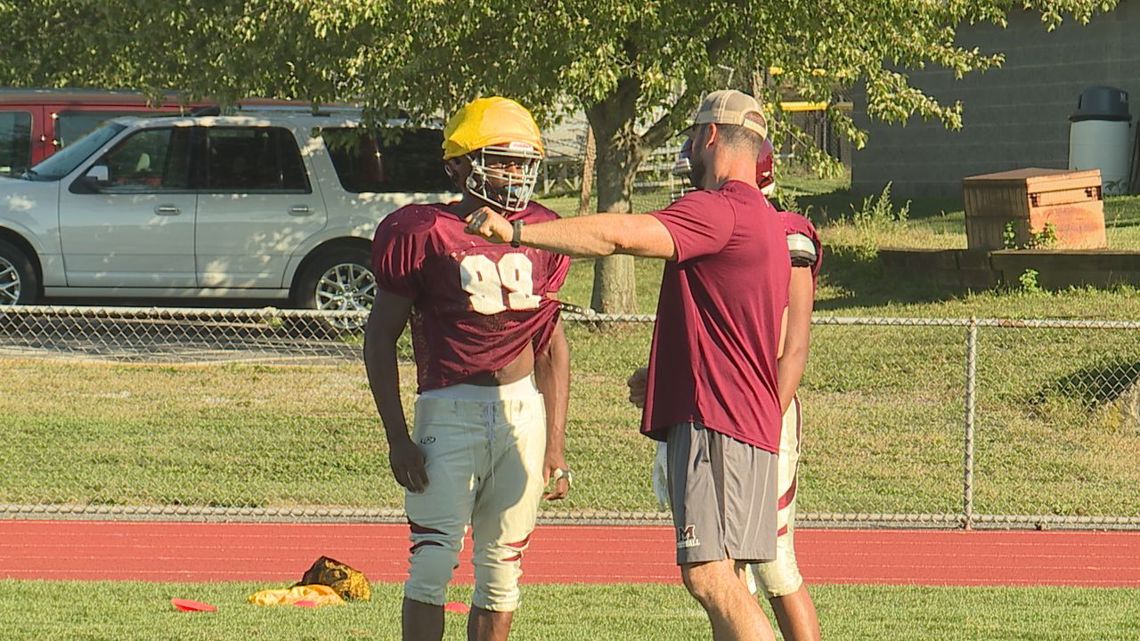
(18, 282)
(338, 281)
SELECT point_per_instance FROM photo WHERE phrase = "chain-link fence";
(266, 414)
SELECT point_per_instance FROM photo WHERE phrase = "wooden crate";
(1031, 198)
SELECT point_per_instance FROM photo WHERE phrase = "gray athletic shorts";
(723, 494)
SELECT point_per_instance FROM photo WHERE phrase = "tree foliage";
(636, 67)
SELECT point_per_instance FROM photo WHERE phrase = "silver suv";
(270, 205)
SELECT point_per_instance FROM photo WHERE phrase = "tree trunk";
(589, 164)
(759, 81)
(619, 154)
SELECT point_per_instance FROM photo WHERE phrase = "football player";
(492, 367)
(780, 579)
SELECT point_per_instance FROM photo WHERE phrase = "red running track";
(201, 552)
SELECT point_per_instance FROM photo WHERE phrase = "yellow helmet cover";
(486, 122)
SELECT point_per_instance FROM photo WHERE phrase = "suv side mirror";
(97, 175)
(91, 182)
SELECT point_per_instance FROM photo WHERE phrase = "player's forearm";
(552, 376)
(793, 359)
(789, 372)
(796, 337)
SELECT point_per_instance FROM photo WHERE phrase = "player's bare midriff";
(516, 370)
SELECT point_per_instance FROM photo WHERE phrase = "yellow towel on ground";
(306, 595)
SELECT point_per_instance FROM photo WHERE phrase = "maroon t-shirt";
(798, 224)
(477, 305)
(718, 317)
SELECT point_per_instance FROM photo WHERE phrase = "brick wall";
(1015, 116)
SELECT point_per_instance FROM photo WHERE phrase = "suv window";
(149, 160)
(253, 159)
(65, 161)
(398, 160)
(15, 142)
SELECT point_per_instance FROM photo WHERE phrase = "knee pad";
(432, 563)
(497, 571)
(777, 578)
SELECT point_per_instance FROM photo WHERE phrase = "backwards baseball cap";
(732, 107)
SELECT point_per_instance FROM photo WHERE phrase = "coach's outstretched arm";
(584, 236)
(389, 316)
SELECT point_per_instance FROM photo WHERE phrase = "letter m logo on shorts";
(687, 537)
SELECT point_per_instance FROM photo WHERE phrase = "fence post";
(968, 459)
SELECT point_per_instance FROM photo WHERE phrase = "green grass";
(125, 611)
(254, 436)
(884, 414)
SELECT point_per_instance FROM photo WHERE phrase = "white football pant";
(484, 449)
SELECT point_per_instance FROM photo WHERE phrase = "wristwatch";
(560, 473)
(516, 236)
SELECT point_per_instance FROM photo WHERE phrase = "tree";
(589, 165)
(637, 68)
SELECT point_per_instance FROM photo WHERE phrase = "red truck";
(36, 123)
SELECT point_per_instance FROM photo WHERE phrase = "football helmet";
(502, 141)
(683, 170)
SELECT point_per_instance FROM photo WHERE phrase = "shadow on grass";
(1095, 386)
(1121, 224)
(839, 205)
(867, 283)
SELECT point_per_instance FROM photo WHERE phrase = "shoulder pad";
(802, 250)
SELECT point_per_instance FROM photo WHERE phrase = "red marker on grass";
(457, 607)
(187, 605)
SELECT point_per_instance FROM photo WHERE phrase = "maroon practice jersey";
(476, 305)
(722, 300)
(797, 224)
